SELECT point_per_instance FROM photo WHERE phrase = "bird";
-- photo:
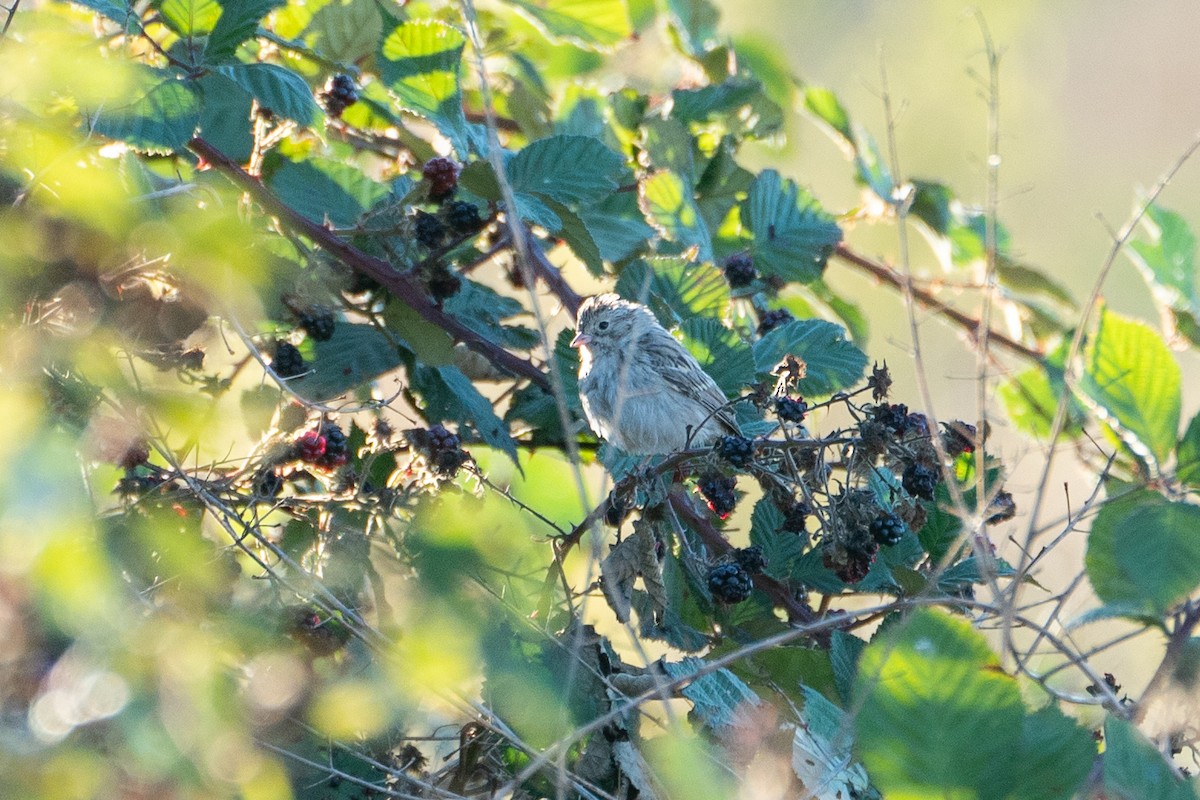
(641, 390)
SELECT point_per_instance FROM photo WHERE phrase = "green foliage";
(238, 582)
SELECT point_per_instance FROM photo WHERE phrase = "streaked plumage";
(641, 390)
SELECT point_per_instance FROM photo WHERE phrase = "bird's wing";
(681, 371)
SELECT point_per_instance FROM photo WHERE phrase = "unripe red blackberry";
(442, 176)
(310, 446)
(770, 320)
(288, 363)
(729, 583)
(739, 271)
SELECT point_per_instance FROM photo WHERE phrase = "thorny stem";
(399, 284)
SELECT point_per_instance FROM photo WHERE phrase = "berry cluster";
(920, 480)
(288, 363)
(729, 583)
(892, 416)
(463, 217)
(770, 320)
(318, 323)
(325, 447)
(317, 630)
(737, 450)
(739, 271)
(442, 449)
(717, 489)
(442, 176)
(887, 528)
(752, 559)
(791, 409)
(339, 93)
(959, 437)
(429, 230)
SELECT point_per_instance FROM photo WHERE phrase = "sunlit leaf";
(276, 88)
(163, 118)
(670, 207)
(421, 62)
(587, 23)
(237, 23)
(346, 32)
(1135, 382)
(793, 236)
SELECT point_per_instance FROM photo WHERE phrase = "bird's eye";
(602, 325)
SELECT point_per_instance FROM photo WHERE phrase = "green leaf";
(1133, 378)
(421, 63)
(670, 208)
(592, 24)
(1187, 454)
(450, 395)
(941, 530)
(844, 651)
(676, 290)
(119, 12)
(616, 226)
(1020, 278)
(825, 106)
(237, 23)
(567, 169)
(694, 22)
(1133, 767)
(931, 204)
(833, 362)
(225, 116)
(190, 17)
(353, 356)
(1054, 759)
(793, 236)
(162, 119)
(718, 698)
(1167, 260)
(938, 717)
(720, 351)
(1143, 551)
(707, 102)
(279, 89)
(781, 548)
(483, 310)
(430, 343)
(346, 32)
(323, 189)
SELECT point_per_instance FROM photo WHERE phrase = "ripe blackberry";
(770, 320)
(442, 176)
(959, 437)
(336, 450)
(442, 439)
(751, 559)
(791, 409)
(463, 217)
(339, 93)
(318, 323)
(737, 450)
(893, 416)
(917, 425)
(887, 528)
(717, 489)
(311, 446)
(920, 480)
(729, 583)
(1002, 508)
(739, 271)
(429, 230)
(443, 283)
(288, 363)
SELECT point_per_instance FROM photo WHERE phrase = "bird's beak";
(580, 340)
